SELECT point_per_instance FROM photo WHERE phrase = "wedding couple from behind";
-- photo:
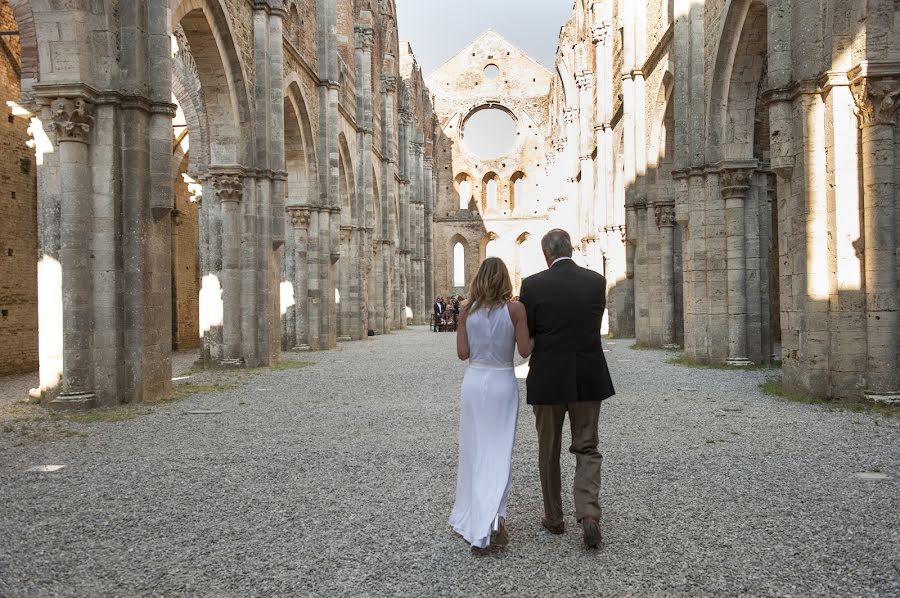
(556, 322)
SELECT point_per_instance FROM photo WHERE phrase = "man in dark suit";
(568, 374)
(438, 312)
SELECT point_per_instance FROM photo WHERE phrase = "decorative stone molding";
(584, 80)
(665, 215)
(388, 84)
(229, 187)
(365, 38)
(877, 100)
(559, 145)
(600, 32)
(299, 217)
(735, 182)
(72, 119)
(571, 115)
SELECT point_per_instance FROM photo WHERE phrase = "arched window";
(517, 194)
(465, 192)
(294, 25)
(459, 265)
(492, 194)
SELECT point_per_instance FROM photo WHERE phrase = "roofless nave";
(730, 165)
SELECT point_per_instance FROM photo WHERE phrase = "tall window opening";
(517, 191)
(459, 265)
(490, 188)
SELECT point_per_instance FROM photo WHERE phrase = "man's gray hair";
(556, 244)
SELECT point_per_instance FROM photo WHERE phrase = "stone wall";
(18, 218)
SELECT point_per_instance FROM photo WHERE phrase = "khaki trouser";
(583, 419)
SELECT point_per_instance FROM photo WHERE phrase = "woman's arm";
(462, 338)
(524, 342)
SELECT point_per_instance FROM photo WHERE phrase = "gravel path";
(337, 479)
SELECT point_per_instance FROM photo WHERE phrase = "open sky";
(438, 29)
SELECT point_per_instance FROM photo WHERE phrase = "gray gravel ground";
(337, 479)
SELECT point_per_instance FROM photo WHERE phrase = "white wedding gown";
(489, 407)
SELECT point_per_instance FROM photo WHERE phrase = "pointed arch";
(301, 160)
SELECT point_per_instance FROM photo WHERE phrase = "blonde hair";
(491, 286)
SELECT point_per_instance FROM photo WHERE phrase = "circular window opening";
(491, 71)
(489, 133)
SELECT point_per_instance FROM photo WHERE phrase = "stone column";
(665, 221)
(229, 191)
(313, 282)
(346, 308)
(586, 207)
(877, 101)
(429, 231)
(300, 217)
(389, 230)
(365, 40)
(72, 122)
(734, 184)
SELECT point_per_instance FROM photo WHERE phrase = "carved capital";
(229, 187)
(365, 38)
(559, 144)
(735, 182)
(72, 119)
(388, 84)
(665, 215)
(570, 115)
(299, 217)
(877, 100)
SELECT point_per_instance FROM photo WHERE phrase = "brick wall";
(185, 272)
(18, 219)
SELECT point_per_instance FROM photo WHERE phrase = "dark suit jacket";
(565, 306)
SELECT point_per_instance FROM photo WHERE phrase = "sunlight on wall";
(337, 296)
(50, 322)
(465, 192)
(39, 141)
(409, 312)
(287, 296)
(211, 307)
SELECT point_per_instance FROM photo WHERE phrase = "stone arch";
(462, 184)
(29, 60)
(188, 95)
(740, 64)
(376, 204)
(346, 183)
(488, 246)
(660, 158)
(301, 161)
(207, 29)
(490, 192)
(517, 190)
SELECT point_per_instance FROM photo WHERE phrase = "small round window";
(491, 71)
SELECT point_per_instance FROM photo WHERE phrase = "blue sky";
(438, 29)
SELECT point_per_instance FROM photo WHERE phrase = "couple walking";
(557, 323)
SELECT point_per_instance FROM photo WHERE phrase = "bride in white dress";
(490, 327)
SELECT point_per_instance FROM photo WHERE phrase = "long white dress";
(489, 408)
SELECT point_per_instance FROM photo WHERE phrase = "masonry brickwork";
(18, 217)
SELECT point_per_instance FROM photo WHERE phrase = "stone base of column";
(231, 364)
(79, 401)
(302, 348)
(672, 347)
(885, 398)
(739, 362)
(344, 339)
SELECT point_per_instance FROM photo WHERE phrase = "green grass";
(774, 387)
(690, 363)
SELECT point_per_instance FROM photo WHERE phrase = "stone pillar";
(734, 184)
(665, 221)
(300, 217)
(586, 208)
(314, 281)
(877, 102)
(365, 40)
(429, 232)
(389, 229)
(229, 191)
(346, 308)
(72, 122)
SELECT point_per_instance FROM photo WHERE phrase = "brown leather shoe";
(592, 536)
(558, 529)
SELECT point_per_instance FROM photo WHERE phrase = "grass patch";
(690, 363)
(106, 415)
(774, 387)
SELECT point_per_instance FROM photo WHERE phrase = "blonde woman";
(491, 325)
